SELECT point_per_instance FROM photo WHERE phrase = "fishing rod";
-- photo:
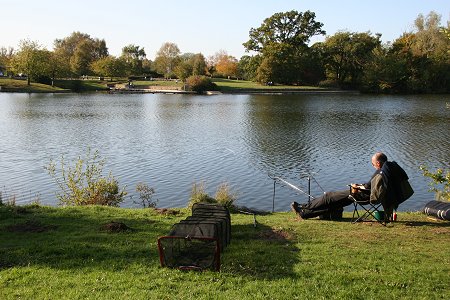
(276, 178)
(285, 182)
(292, 186)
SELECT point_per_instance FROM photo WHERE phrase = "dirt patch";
(114, 227)
(30, 226)
(167, 211)
(275, 235)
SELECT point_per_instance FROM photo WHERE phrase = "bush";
(440, 183)
(200, 84)
(145, 195)
(84, 184)
(198, 194)
(223, 195)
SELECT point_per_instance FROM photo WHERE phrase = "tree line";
(80, 55)
(416, 62)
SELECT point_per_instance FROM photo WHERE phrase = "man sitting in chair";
(384, 187)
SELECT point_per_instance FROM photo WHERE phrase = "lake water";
(171, 142)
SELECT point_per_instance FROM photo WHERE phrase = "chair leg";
(367, 212)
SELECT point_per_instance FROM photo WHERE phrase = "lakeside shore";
(225, 86)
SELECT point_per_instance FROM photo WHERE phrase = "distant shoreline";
(224, 86)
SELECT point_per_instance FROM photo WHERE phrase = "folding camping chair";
(397, 187)
(361, 199)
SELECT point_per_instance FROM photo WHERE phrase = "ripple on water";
(171, 142)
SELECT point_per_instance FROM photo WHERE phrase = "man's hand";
(357, 187)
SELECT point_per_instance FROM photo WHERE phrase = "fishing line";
(310, 174)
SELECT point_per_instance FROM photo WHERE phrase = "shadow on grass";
(74, 238)
(432, 222)
(261, 252)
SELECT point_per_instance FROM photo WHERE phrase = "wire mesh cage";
(188, 253)
(197, 242)
(215, 211)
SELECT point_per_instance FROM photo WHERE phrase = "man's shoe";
(295, 207)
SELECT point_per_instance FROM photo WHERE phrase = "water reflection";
(173, 141)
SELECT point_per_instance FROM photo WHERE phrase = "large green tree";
(133, 56)
(199, 66)
(387, 72)
(33, 60)
(282, 41)
(190, 64)
(248, 66)
(184, 67)
(109, 66)
(293, 28)
(167, 59)
(78, 51)
(416, 62)
(280, 64)
(346, 54)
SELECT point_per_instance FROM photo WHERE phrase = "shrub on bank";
(84, 183)
(223, 195)
(440, 182)
(146, 195)
(200, 84)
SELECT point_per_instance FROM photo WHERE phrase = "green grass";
(61, 85)
(282, 258)
(15, 85)
(224, 85)
(82, 85)
(228, 85)
(158, 83)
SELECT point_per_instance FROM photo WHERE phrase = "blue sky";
(197, 26)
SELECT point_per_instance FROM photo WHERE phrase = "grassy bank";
(224, 85)
(228, 85)
(60, 85)
(82, 85)
(21, 86)
(69, 253)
